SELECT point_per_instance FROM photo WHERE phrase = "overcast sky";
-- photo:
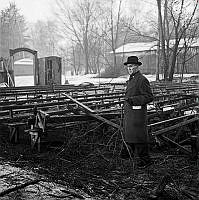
(33, 10)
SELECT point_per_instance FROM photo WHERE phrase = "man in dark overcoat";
(138, 94)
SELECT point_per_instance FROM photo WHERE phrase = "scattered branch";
(18, 187)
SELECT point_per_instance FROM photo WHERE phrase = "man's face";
(132, 68)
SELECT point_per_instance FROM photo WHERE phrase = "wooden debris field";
(79, 125)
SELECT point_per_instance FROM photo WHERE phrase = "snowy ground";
(76, 80)
(12, 177)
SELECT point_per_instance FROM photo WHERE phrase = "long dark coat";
(138, 94)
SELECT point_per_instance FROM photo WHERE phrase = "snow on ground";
(76, 80)
(13, 176)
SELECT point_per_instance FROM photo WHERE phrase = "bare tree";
(43, 37)
(175, 23)
(181, 25)
(162, 39)
(12, 30)
(112, 33)
(78, 21)
(187, 50)
(176, 18)
(95, 26)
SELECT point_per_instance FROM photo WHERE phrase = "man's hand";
(128, 100)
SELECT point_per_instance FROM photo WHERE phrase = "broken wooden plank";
(186, 151)
(86, 108)
(93, 113)
(170, 120)
(162, 131)
(105, 121)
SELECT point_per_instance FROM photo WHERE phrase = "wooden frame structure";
(69, 105)
(35, 61)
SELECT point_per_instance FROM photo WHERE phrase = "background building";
(147, 53)
(23, 67)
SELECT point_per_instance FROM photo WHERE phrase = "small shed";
(49, 70)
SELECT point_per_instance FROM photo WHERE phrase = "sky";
(33, 10)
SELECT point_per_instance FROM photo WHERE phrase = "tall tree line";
(93, 29)
(44, 37)
(12, 29)
(86, 31)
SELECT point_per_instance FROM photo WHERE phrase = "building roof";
(137, 47)
(143, 47)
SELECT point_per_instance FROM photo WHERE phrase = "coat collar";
(134, 75)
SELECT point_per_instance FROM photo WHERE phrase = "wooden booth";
(49, 71)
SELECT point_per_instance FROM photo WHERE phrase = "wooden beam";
(162, 131)
(92, 113)
(176, 144)
(105, 121)
(169, 120)
(86, 108)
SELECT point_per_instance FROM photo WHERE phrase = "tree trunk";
(86, 64)
(114, 61)
(162, 36)
(86, 57)
(74, 61)
(173, 62)
(184, 61)
(157, 71)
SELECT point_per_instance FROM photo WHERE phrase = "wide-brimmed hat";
(132, 60)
